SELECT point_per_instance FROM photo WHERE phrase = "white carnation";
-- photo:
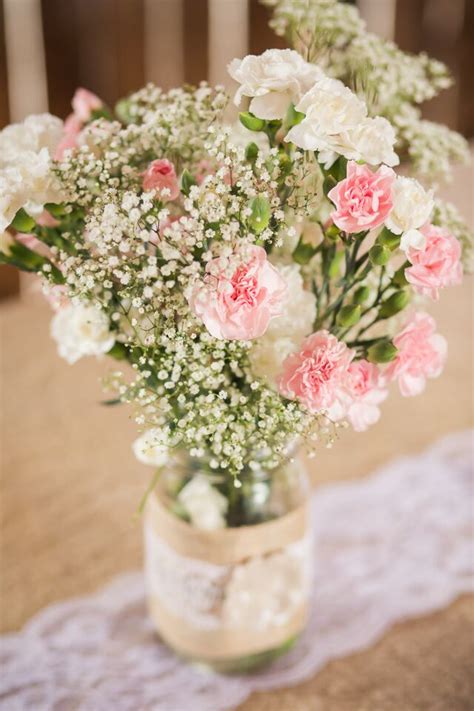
(204, 504)
(412, 206)
(81, 330)
(412, 239)
(273, 79)
(336, 123)
(331, 111)
(373, 141)
(26, 179)
(32, 135)
(150, 448)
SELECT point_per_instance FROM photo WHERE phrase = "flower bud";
(251, 122)
(394, 304)
(349, 315)
(399, 277)
(251, 152)
(361, 295)
(335, 265)
(333, 233)
(22, 222)
(381, 352)
(388, 239)
(261, 213)
(379, 255)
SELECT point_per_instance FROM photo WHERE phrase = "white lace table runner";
(388, 548)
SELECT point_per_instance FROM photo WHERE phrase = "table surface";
(70, 487)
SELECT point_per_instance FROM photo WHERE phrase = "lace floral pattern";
(388, 548)
(262, 591)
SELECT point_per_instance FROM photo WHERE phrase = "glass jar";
(228, 567)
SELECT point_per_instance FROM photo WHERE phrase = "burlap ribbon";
(224, 547)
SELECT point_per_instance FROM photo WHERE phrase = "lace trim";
(263, 591)
(393, 546)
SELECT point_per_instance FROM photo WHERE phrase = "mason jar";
(228, 563)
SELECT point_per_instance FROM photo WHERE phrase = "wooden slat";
(27, 86)
(261, 36)
(4, 109)
(9, 281)
(9, 277)
(379, 16)
(164, 42)
(130, 43)
(408, 23)
(466, 64)
(196, 67)
(228, 36)
(60, 27)
(97, 47)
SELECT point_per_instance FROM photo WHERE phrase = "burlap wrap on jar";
(228, 593)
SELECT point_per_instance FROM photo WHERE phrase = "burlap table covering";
(70, 487)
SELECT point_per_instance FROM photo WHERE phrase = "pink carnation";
(161, 176)
(421, 354)
(71, 130)
(238, 298)
(84, 102)
(361, 394)
(437, 264)
(316, 373)
(363, 199)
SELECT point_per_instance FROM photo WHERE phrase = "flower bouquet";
(260, 286)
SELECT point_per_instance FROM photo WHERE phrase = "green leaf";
(349, 315)
(55, 210)
(303, 252)
(394, 304)
(382, 352)
(27, 260)
(379, 255)
(111, 403)
(338, 169)
(187, 182)
(103, 112)
(388, 239)
(293, 117)
(22, 222)
(329, 183)
(260, 215)
(335, 265)
(399, 278)
(251, 122)
(118, 351)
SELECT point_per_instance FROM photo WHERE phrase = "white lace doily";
(388, 548)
